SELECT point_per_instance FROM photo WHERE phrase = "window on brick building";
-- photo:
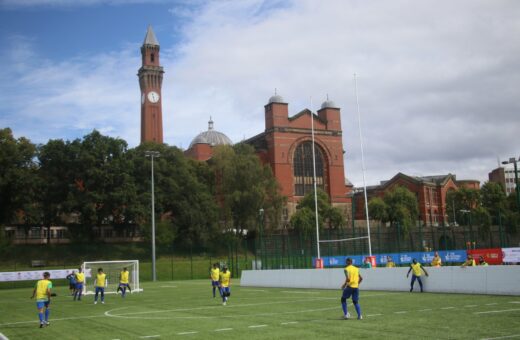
(152, 57)
(303, 169)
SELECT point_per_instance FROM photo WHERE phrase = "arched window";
(303, 169)
(152, 57)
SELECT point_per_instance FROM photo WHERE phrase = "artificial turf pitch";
(187, 310)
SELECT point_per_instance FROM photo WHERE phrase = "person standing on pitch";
(123, 282)
(42, 291)
(225, 284)
(80, 280)
(214, 275)
(100, 284)
(351, 289)
(416, 267)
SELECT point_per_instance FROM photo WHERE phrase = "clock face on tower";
(153, 97)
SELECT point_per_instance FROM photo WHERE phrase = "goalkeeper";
(351, 289)
(123, 282)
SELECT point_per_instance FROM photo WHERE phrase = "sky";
(438, 81)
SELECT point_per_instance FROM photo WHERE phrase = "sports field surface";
(187, 310)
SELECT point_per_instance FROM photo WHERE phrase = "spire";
(210, 124)
(150, 38)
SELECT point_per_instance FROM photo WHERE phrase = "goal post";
(112, 269)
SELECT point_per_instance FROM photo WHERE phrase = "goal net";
(112, 269)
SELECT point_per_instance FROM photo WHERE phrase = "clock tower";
(150, 81)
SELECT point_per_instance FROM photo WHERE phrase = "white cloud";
(438, 81)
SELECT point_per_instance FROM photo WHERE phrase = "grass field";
(186, 310)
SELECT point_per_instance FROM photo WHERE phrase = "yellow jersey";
(416, 269)
(215, 274)
(352, 272)
(80, 277)
(436, 262)
(41, 290)
(225, 278)
(124, 277)
(390, 264)
(100, 279)
(470, 263)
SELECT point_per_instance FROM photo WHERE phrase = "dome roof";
(211, 137)
(276, 99)
(329, 104)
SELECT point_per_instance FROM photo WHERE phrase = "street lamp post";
(517, 187)
(152, 155)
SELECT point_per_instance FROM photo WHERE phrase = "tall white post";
(153, 154)
(363, 167)
(315, 190)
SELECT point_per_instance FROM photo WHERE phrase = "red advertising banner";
(490, 255)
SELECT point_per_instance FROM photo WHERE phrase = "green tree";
(378, 209)
(459, 202)
(402, 207)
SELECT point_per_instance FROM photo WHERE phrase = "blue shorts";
(225, 290)
(41, 304)
(214, 283)
(349, 291)
(79, 285)
(100, 290)
(124, 285)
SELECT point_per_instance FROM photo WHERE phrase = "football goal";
(113, 270)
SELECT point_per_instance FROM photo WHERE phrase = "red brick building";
(430, 191)
(286, 145)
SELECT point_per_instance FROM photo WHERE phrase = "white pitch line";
(491, 304)
(257, 326)
(253, 290)
(401, 312)
(3, 337)
(223, 329)
(374, 314)
(498, 311)
(470, 306)
(448, 308)
(186, 333)
(425, 310)
(168, 286)
(295, 292)
(149, 336)
(514, 301)
(289, 323)
(503, 337)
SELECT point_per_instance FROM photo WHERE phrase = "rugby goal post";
(112, 269)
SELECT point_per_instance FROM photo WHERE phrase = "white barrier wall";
(502, 280)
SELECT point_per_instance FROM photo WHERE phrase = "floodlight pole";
(315, 188)
(153, 154)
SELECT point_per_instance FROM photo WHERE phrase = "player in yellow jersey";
(482, 262)
(470, 262)
(351, 289)
(100, 284)
(390, 263)
(416, 267)
(225, 284)
(124, 282)
(436, 261)
(214, 275)
(80, 281)
(42, 292)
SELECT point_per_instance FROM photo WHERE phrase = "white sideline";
(498, 311)
(3, 337)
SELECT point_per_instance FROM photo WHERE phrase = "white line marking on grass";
(448, 308)
(289, 323)
(186, 333)
(401, 312)
(291, 292)
(491, 304)
(503, 337)
(373, 314)
(514, 301)
(168, 286)
(150, 336)
(257, 326)
(223, 329)
(498, 311)
(425, 310)
(470, 306)
(53, 320)
(3, 337)
(253, 290)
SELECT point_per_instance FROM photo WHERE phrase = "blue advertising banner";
(398, 258)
